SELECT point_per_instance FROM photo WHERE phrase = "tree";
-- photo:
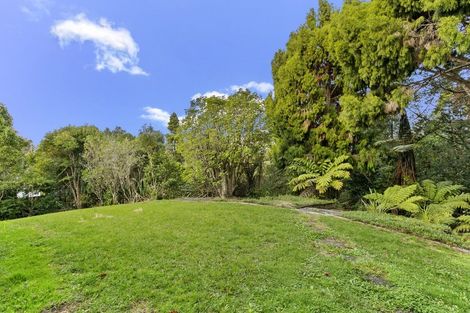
(223, 140)
(60, 157)
(367, 61)
(366, 42)
(391, 50)
(13, 149)
(163, 177)
(437, 36)
(442, 134)
(173, 126)
(110, 163)
(303, 112)
(174, 123)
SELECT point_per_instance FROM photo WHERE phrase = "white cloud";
(210, 94)
(36, 9)
(261, 87)
(157, 115)
(115, 48)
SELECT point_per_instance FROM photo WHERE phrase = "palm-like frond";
(464, 224)
(429, 188)
(441, 201)
(303, 181)
(396, 197)
(303, 165)
(403, 148)
(445, 191)
(328, 174)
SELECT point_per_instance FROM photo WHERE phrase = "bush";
(274, 181)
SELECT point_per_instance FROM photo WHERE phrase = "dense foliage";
(223, 142)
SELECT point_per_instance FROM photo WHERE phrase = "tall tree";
(304, 111)
(13, 149)
(110, 163)
(223, 141)
(60, 157)
(366, 42)
(173, 126)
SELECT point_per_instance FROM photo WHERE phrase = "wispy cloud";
(157, 115)
(260, 87)
(210, 94)
(36, 9)
(115, 48)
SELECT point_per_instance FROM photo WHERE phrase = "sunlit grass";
(184, 256)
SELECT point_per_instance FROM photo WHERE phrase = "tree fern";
(394, 198)
(441, 201)
(321, 176)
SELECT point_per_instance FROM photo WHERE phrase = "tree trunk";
(405, 172)
(228, 184)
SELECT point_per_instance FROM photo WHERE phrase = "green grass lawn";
(182, 256)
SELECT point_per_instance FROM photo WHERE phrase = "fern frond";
(409, 207)
(429, 188)
(324, 175)
(464, 226)
(398, 194)
(396, 197)
(373, 196)
(341, 159)
(461, 197)
(446, 191)
(403, 148)
(415, 199)
(337, 184)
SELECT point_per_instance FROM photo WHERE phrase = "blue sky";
(126, 63)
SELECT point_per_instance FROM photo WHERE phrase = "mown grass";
(437, 232)
(182, 256)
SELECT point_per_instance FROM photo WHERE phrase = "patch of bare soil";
(377, 280)
(62, 308)
(141, 307)
(334, 243)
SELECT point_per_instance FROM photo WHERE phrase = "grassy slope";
(221, 257)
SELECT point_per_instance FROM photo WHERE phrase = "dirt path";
(326, 212)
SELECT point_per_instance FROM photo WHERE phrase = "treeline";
(219, 149)
(370, 96)
(81, 166)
